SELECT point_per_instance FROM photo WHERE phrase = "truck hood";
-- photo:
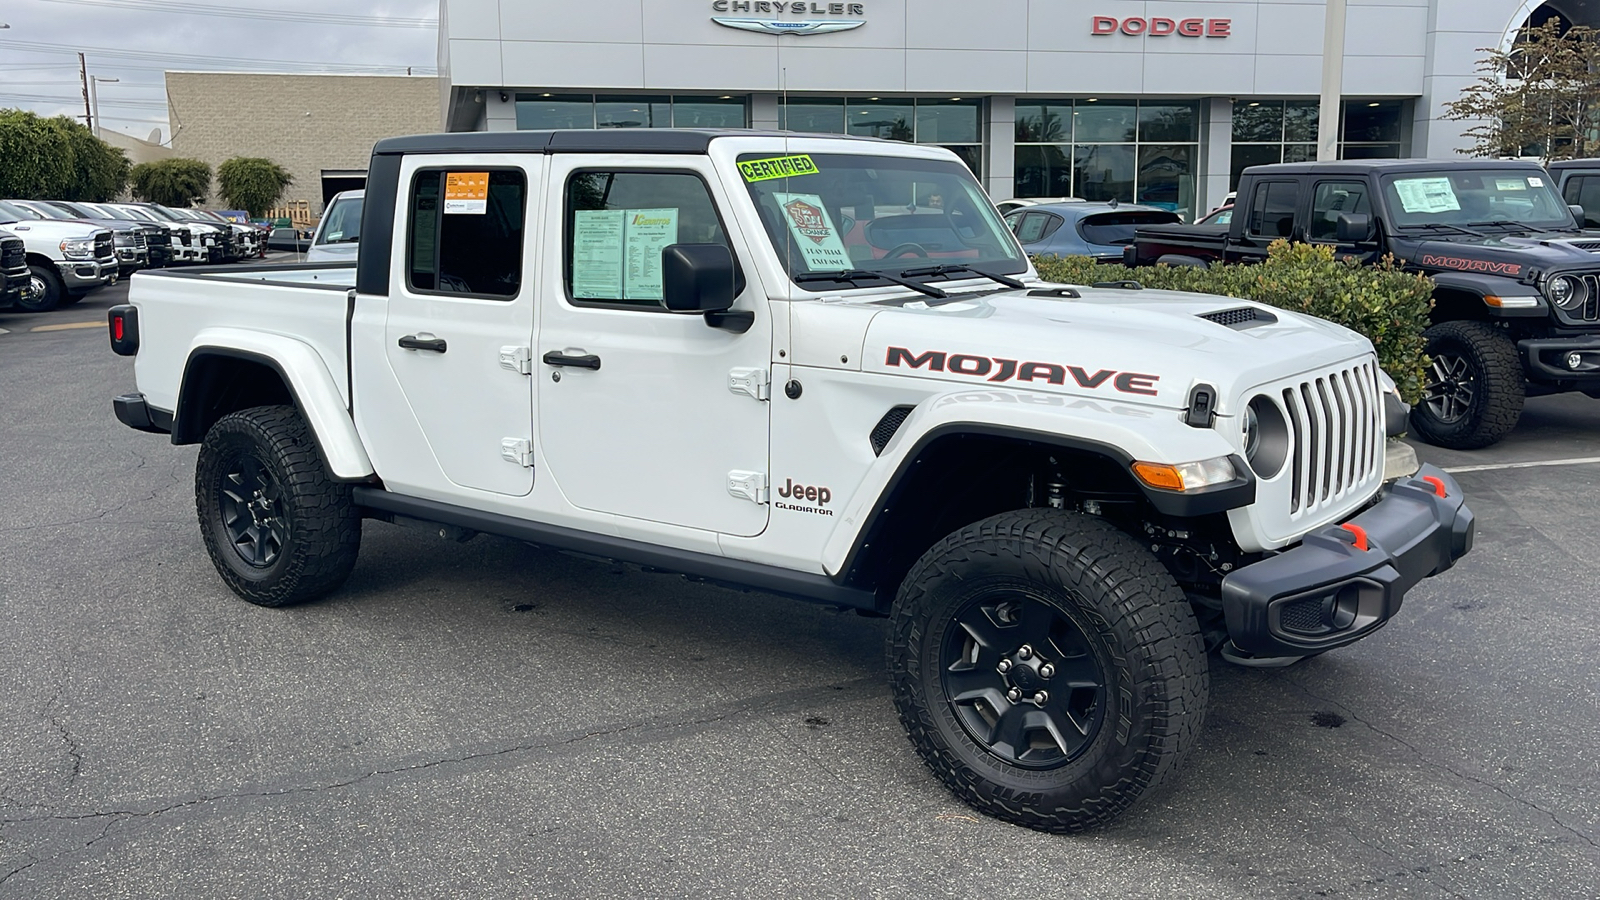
(51, 230)
(1509, 255)
(1126, 346)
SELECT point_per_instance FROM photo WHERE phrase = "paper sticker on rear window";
(778, 167)
(1427, 195)
(466, 193)
(1510, 184)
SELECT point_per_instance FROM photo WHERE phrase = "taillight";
(124, 322)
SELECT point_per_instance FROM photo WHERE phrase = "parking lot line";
(1574, 461)
(5, 331)
(64, 326)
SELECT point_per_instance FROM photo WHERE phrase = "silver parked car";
(339, 232)
(1083, 228)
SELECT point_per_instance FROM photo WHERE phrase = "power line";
(197, 9)
(192, 59)
(48, 98)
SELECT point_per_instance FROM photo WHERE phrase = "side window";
(1272, 209)
(1052, 224)
(1031, 231)
(1014, 221)
(619, 222)
(466, 232)
(1584, 190)
(1333, 199)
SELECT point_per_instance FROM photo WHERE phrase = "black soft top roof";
(1388, 166)
(595, 140)
(1561, 164)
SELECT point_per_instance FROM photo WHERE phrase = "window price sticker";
(466, 193)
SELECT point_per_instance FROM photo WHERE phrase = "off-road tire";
(317, 526)
(1497, 389)
(1132, 620)
(54, 291)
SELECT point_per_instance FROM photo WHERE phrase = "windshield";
(161, 211)
(139, 212)
(10, 212)
(1475, 197)
(46, 211)
(342, 223)
(827, 212)
(110, 212)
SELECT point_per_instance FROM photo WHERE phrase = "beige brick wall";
(305, 123)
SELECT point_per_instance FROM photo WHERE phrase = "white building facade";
(1153, 101)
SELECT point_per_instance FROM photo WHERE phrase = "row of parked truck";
(55, 252)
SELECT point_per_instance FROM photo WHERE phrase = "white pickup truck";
(762, 360)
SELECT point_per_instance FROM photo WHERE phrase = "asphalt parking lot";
(497, 720)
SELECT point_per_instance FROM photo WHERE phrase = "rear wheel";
(44, 290)
(1047, 669)
(1474, 390)
(278, 529)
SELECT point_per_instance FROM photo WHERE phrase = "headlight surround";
(1190, 476)
(1566, 291)
(78, 248)
(1266, 436)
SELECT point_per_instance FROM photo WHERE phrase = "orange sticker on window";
(466, 193)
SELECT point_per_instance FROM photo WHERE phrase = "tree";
(99, 171)
(172, 182)
(1539, 98)
(252, 184)
(57, 159)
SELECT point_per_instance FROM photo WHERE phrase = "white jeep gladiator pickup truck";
(765, 360)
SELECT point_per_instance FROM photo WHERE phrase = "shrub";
(172, 182)
(252, 184)
(56, 159)
(1387, 305)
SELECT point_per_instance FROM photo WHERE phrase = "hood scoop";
(1240, 319)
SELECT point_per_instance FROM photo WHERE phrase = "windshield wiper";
(946, 270)
(852, 275)
(1449, 227)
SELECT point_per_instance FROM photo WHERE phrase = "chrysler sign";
(783, 17)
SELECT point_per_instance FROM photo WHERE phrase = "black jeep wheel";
(1474, 390)
(278, 529)
(1046, 668)
(44, 290)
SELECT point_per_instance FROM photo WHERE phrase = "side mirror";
(697, 278)
(1353, 228)
(1578, 215)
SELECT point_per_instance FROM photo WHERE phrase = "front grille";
(184, 237)
(1336, 419)
(1303, 616)
(103, 245)
(159, 238)
(13, 254)
(139, 241)
(1241, 318)
(1590, 311)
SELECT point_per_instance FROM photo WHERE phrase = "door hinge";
(750, 382)
(517, 359)
(517, 450)
(751, 486)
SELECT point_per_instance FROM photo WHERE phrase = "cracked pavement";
(496, 720)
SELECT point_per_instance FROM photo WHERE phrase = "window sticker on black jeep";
(1426, 195)
(778, 167)
(814, 234)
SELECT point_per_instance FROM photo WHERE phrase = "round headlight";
(1266, 436)
(1566, 291)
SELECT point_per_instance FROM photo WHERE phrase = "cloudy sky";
(135, 41)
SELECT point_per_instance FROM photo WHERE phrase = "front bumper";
(1546, 358)
(86, 274)
(1330, 590)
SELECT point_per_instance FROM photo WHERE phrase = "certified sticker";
(777, 167)
(466, 193)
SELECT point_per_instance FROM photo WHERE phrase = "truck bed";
(183, 309)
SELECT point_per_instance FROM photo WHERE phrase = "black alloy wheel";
(253, 508)
(1022, 678)
(1473, 392)
(1450, 388)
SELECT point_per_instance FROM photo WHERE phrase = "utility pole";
(1332, 82)
(83, 75)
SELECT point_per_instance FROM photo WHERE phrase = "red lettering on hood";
(1471, 265)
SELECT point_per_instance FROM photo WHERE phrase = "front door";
(645, 413)
(460, 308)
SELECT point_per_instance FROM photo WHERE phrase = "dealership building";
(1154, 101)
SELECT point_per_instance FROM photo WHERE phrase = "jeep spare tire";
(1473, 393)
(1048, 670)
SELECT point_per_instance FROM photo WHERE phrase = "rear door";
(459, 321)
(1271, 211)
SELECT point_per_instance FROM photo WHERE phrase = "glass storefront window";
(554, 112)
(873, 118)
(1096, 121)
(948, 122)
(1372, 122)
(708, 112)
(1257, 121)
(1166, 176)
(1174, 122)
(822, 116)
(1271, 131)
(1044, 124)
(1103, 171)
(637, 112)
(1300, 121)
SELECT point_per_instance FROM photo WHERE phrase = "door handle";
(413, 342)
(586, 361)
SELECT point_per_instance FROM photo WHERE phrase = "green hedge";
(1380, 301)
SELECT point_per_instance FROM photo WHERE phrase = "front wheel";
(1048, 670)
(1474, 390)
(278, 529)
(44, 291)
